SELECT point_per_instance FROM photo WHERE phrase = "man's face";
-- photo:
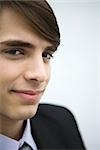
(24, 67)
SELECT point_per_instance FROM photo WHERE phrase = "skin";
(21, 68)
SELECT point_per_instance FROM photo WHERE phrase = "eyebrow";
(20, 43)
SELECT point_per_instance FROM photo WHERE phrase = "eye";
(14, 51)
(47, 56)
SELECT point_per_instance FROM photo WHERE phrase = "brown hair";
(39, 15)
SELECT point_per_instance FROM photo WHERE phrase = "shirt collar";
(11, 144)
(7, 143)
(27, 136)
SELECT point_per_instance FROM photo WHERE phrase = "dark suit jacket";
(54, 127)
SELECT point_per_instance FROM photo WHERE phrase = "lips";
(29, 92)
(28, 95)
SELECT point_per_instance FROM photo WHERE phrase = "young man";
(29, 36)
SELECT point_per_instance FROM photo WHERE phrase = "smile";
(28, 96)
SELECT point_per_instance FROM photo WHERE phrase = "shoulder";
(52, 108)
(55, 112)
(59, 124)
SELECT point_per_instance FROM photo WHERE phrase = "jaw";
(13, 126)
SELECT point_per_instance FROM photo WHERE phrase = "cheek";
(8, 74)
(48, 73)
(8, 71)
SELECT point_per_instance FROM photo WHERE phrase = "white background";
(75, 79)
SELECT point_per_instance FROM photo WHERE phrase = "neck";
(11, 128)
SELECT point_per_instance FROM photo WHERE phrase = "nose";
(36, 70)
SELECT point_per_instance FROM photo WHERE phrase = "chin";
(25, 113)
(31, 112)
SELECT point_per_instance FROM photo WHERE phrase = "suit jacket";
(54, 127)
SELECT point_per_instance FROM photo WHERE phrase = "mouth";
(32, 96)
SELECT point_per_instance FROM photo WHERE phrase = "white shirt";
(7, 143)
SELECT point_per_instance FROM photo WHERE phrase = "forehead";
(14, 27)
